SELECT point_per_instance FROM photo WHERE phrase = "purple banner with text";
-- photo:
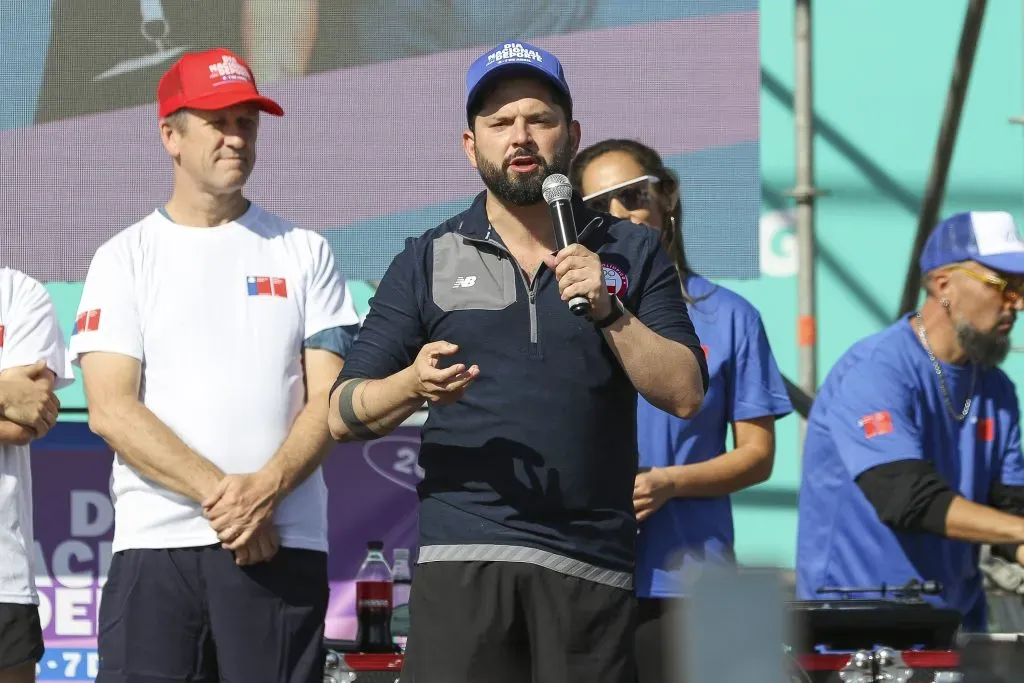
(372, 497)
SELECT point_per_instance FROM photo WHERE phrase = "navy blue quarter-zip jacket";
(536, 462)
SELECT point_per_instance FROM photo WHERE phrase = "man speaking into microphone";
(529, 452)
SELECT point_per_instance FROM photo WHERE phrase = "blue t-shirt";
(745, 384)
(882, 403)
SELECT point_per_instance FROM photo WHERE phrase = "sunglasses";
(633, 194)
(1012, 291)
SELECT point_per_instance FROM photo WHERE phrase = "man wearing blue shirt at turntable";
(913, 454)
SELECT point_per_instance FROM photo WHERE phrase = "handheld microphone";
(557, 191)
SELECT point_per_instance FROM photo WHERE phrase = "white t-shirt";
(218, 317)
(29, 333)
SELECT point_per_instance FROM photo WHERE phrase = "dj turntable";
(896, 636)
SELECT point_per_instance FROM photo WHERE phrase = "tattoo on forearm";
(347, 412)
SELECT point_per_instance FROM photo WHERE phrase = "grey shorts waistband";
(484, 552)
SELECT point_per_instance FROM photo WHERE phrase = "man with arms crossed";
(527, 527)
(32, 365)
(913, 453)
(209, 335)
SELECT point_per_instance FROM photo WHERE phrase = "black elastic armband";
(347, 412)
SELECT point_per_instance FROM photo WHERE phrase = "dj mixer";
(897, 637)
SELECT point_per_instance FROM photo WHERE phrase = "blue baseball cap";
(509, 59)
(988, 237)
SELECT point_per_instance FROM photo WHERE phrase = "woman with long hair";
(681, 494)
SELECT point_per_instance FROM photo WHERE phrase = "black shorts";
(192, 614)
(21, 636)
(659, 640)
(506, 622)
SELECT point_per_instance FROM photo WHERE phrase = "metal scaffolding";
(805, 194)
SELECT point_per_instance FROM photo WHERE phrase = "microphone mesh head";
(556, 187)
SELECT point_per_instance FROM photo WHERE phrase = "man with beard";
(529, 452)
(913, 454)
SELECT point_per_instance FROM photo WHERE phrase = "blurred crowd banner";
(372, 497)
(369, 151)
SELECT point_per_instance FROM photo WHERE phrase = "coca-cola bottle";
(373, 602)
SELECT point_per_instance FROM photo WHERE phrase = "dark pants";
(504, 622)
(192, 614)
(21, 637)
(659, 641)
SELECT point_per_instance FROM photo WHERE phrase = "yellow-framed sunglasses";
(1011, 291)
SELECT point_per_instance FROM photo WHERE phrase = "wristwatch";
(617, 312)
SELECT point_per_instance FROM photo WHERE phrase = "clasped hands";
(29, 400)
(240, 510)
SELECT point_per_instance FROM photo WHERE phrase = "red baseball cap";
(214, 79)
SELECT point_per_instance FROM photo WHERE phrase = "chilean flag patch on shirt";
(260, 285)
(876, 424)
(986, 429)
(88, 321)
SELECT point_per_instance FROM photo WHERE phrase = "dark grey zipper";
(530, 291)
(530, 286)
(533, 306)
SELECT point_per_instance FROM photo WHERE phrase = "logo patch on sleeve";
(87, 321)
(616, 279)
(876, 424)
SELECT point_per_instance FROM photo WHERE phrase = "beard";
(987, 349)
(523, 189)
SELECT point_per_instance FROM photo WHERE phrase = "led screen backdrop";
(369, 151)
